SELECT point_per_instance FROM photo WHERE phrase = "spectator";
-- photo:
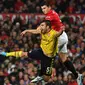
(21, 82)
(60, 80)
(6, 81)
(18, 4)
(3, 35)
(71, 80)
(71, 8)
(65, 79)
(20, 75)
(17, 20)
(25, 9)
(30, 6)
(84, 80)
(21, 68)
(5, 72)
(26, 79)
(38, 10)
(13, 80)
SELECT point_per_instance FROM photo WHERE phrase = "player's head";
(45, 26)
(45, 7)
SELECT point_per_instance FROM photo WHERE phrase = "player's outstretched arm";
(14, 54)
(33, 31)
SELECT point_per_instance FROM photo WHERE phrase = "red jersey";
(72, 83)
(55, 20)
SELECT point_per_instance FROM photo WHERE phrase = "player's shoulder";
(53, 31)
(54, 12)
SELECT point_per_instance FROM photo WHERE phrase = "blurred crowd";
(33, 6)
(20, 71)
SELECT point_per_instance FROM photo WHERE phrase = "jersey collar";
(49, 12)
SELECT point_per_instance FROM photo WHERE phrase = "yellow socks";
(15, 53)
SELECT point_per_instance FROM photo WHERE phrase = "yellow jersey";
(49, 43)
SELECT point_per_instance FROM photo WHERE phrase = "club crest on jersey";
(48, 17)
(48, 34)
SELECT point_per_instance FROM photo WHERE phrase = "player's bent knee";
(63, 56)
(46, 78)
(24, 54)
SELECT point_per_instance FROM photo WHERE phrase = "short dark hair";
(48, 23)
(44, 3)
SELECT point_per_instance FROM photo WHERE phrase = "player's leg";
(35, 54)
(63, 41)
(46, 67)
(13, 54)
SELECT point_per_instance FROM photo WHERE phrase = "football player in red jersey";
(63, 38)
(57, 25)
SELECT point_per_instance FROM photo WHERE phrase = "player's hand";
(23, 33)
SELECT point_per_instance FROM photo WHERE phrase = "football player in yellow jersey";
(48, 49)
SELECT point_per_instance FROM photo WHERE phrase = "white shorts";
(62, 43)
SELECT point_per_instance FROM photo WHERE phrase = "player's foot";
(3, 53)
(37, 79)
(79, 79)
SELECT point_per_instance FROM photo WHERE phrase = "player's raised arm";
(34, 31)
